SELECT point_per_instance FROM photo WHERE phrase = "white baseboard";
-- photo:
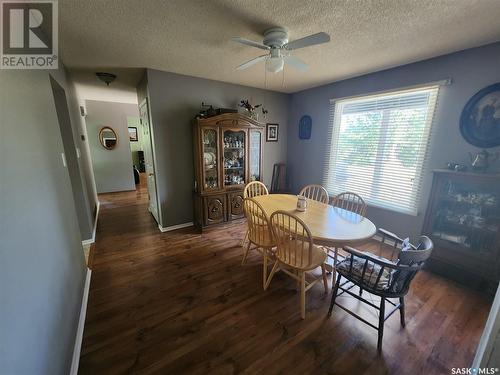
(174, 227)
(81, 324)
(92, 240)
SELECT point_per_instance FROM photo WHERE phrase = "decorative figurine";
(481, 161)
(264, 113)
(250, 108)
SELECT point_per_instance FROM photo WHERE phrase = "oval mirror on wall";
(108, 138)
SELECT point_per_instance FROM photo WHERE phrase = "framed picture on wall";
(272, 132)
(132, 132)
(480, 119)
(305, 125)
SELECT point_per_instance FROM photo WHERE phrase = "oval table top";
(328, 225)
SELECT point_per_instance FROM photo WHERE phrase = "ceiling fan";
(276, 43)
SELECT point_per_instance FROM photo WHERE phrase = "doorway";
(116, 132)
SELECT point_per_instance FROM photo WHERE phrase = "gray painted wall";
(42, 267)
(112, 168)
(471, 70)
(174, 100)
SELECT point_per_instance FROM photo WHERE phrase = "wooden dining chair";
(296, 254)
(253, 189)
(351, 202)
(381, 277)
(389, 239)
(315, 192)
(259, 234)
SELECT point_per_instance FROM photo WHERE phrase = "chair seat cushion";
(369, 279)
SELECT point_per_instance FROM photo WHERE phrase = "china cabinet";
(463, 220)
(227, 155)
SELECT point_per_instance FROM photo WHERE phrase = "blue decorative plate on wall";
(480, 120)
(305, 125)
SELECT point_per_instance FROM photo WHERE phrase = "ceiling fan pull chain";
(283, 77)
(265, 77)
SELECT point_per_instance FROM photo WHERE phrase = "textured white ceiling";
(193, 37)
(122, 90)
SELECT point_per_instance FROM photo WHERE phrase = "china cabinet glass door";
(234, 157)
(210, 158)
(467, 215)
(255, 155)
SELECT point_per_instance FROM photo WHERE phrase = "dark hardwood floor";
(180, 302)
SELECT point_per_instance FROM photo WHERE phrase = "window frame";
(414, 206)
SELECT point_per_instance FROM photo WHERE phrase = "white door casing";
(149, 160)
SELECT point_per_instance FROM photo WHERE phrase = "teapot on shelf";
(481, 161)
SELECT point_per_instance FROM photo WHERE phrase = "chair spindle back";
(315, 192)
(351, 202)
(259, 228)
(293, 239)
(254, 189)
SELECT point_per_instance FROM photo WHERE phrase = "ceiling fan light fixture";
(275, 64)
(278, 48)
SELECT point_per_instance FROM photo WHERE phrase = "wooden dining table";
(330, 226)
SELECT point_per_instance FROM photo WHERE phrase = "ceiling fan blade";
(307, 41)
(249, 63)
(250, 43)
(296, 63)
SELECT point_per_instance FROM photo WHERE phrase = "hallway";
(180, 302)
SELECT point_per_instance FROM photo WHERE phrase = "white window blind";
(379, 145)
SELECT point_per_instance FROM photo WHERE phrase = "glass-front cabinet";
(235, 146)
(210, 145)
(463, 220)
(255, 151)
(227, 156)
(467, 216)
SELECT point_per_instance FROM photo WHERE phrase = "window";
(379, 146)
